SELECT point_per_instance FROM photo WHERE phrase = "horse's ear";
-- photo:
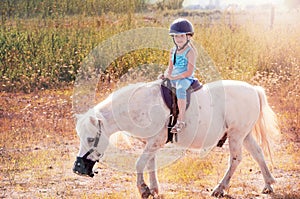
(100, 116)
(93, 120)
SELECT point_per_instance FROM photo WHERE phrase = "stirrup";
(178, 127)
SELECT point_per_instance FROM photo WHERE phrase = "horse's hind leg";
(235, 146)
(256, 152)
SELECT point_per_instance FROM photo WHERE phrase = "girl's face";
(181, 39)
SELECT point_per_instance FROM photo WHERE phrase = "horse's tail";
(266, 126)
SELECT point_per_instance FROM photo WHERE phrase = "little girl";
(181, 65)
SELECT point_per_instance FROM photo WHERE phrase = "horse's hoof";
(155, 195)
(267, 190)
(145, 191)
(217, 193)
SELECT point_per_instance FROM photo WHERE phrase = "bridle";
(84, 166)
(96, 142)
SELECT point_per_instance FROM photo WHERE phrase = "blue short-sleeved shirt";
(181, 64)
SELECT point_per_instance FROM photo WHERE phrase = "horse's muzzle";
(84, 166)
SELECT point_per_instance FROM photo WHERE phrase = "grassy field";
(40, 57)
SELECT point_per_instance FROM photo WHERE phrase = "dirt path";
(52, 176)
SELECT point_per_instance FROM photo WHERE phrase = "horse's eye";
(91, 139)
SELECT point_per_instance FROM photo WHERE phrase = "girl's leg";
(181, 107)
(181, 87)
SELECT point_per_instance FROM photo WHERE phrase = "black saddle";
(169, 95)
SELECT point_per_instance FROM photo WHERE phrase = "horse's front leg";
(148, 159)
(153, 177)
(140, 165)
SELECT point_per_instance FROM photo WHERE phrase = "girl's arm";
(169, 70)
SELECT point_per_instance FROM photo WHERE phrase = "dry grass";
(38, 143)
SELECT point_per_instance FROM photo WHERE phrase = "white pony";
(236, 108)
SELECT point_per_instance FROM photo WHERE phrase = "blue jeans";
(181, 86)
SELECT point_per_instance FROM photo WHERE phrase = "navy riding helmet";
(181, 26)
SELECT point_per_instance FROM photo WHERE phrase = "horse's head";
(93, 142)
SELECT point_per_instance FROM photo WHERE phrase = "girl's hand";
(169, 77)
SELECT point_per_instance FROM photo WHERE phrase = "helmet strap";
(186, 43)
(178, 49)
